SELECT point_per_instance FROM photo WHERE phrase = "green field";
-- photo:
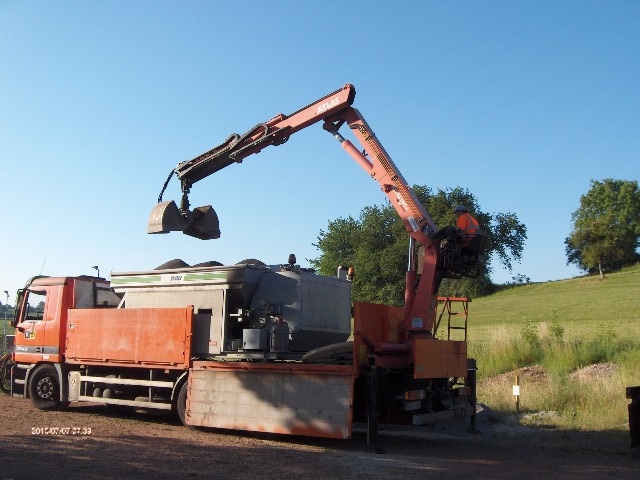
(563, 327)
(580, 305)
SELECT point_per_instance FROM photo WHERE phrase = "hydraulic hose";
(327, 351)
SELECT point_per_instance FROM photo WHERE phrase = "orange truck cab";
(69, 331)
(41, 322)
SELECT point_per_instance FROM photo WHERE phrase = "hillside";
(579, 305)
(575, 345)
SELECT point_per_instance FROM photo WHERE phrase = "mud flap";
(373, 405)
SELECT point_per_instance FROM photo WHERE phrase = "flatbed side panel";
(145, 336)
(311, 401)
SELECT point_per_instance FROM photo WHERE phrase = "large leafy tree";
(376, 245)
(606, 227)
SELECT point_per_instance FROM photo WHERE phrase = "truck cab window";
(34, 306)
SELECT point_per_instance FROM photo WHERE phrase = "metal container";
(316, 308)
(240, 308)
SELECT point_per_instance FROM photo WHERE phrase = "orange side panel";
(378, 323)
(144, 337)
(374, 325)
(439, 358)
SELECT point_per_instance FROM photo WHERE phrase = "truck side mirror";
(17, 308)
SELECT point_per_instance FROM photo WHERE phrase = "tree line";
(375, 244)
(606, 227)
(605, 233)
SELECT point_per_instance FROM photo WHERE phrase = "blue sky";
(523, 103)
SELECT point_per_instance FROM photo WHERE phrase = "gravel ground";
(99, 444)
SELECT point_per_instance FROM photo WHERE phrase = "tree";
(606, 227)
(376, 245)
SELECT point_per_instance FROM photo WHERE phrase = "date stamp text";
(60, 430)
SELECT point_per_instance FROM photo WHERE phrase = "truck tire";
(181, 403)
(44, 388)
(5, 373)
(634, 421)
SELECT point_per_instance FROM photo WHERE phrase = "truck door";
(30, 336)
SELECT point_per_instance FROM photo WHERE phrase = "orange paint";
(136, 337)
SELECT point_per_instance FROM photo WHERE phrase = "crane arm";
(420, 302)
(273, 132)
(334, 110)
(202, 222)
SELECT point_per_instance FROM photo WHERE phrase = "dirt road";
(94, 444)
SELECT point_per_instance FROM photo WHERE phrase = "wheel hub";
(45, 388)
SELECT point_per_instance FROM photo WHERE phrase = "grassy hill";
(575, 344)
(580, 305)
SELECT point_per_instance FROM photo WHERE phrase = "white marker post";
(516, 393)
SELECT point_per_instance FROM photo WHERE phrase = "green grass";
(580, 305)
(9, 329)
(563, 326)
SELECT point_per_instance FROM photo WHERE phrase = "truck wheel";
(181, 405)
(44, 388)
(5, 373)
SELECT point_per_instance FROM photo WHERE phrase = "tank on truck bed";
(247, 311)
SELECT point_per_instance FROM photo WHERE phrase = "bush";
(467, 287)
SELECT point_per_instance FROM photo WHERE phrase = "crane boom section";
(419, 314)
(273, 132)
(383, 170)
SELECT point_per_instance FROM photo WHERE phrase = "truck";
(253, 346)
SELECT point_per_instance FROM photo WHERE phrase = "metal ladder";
(447, 307)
